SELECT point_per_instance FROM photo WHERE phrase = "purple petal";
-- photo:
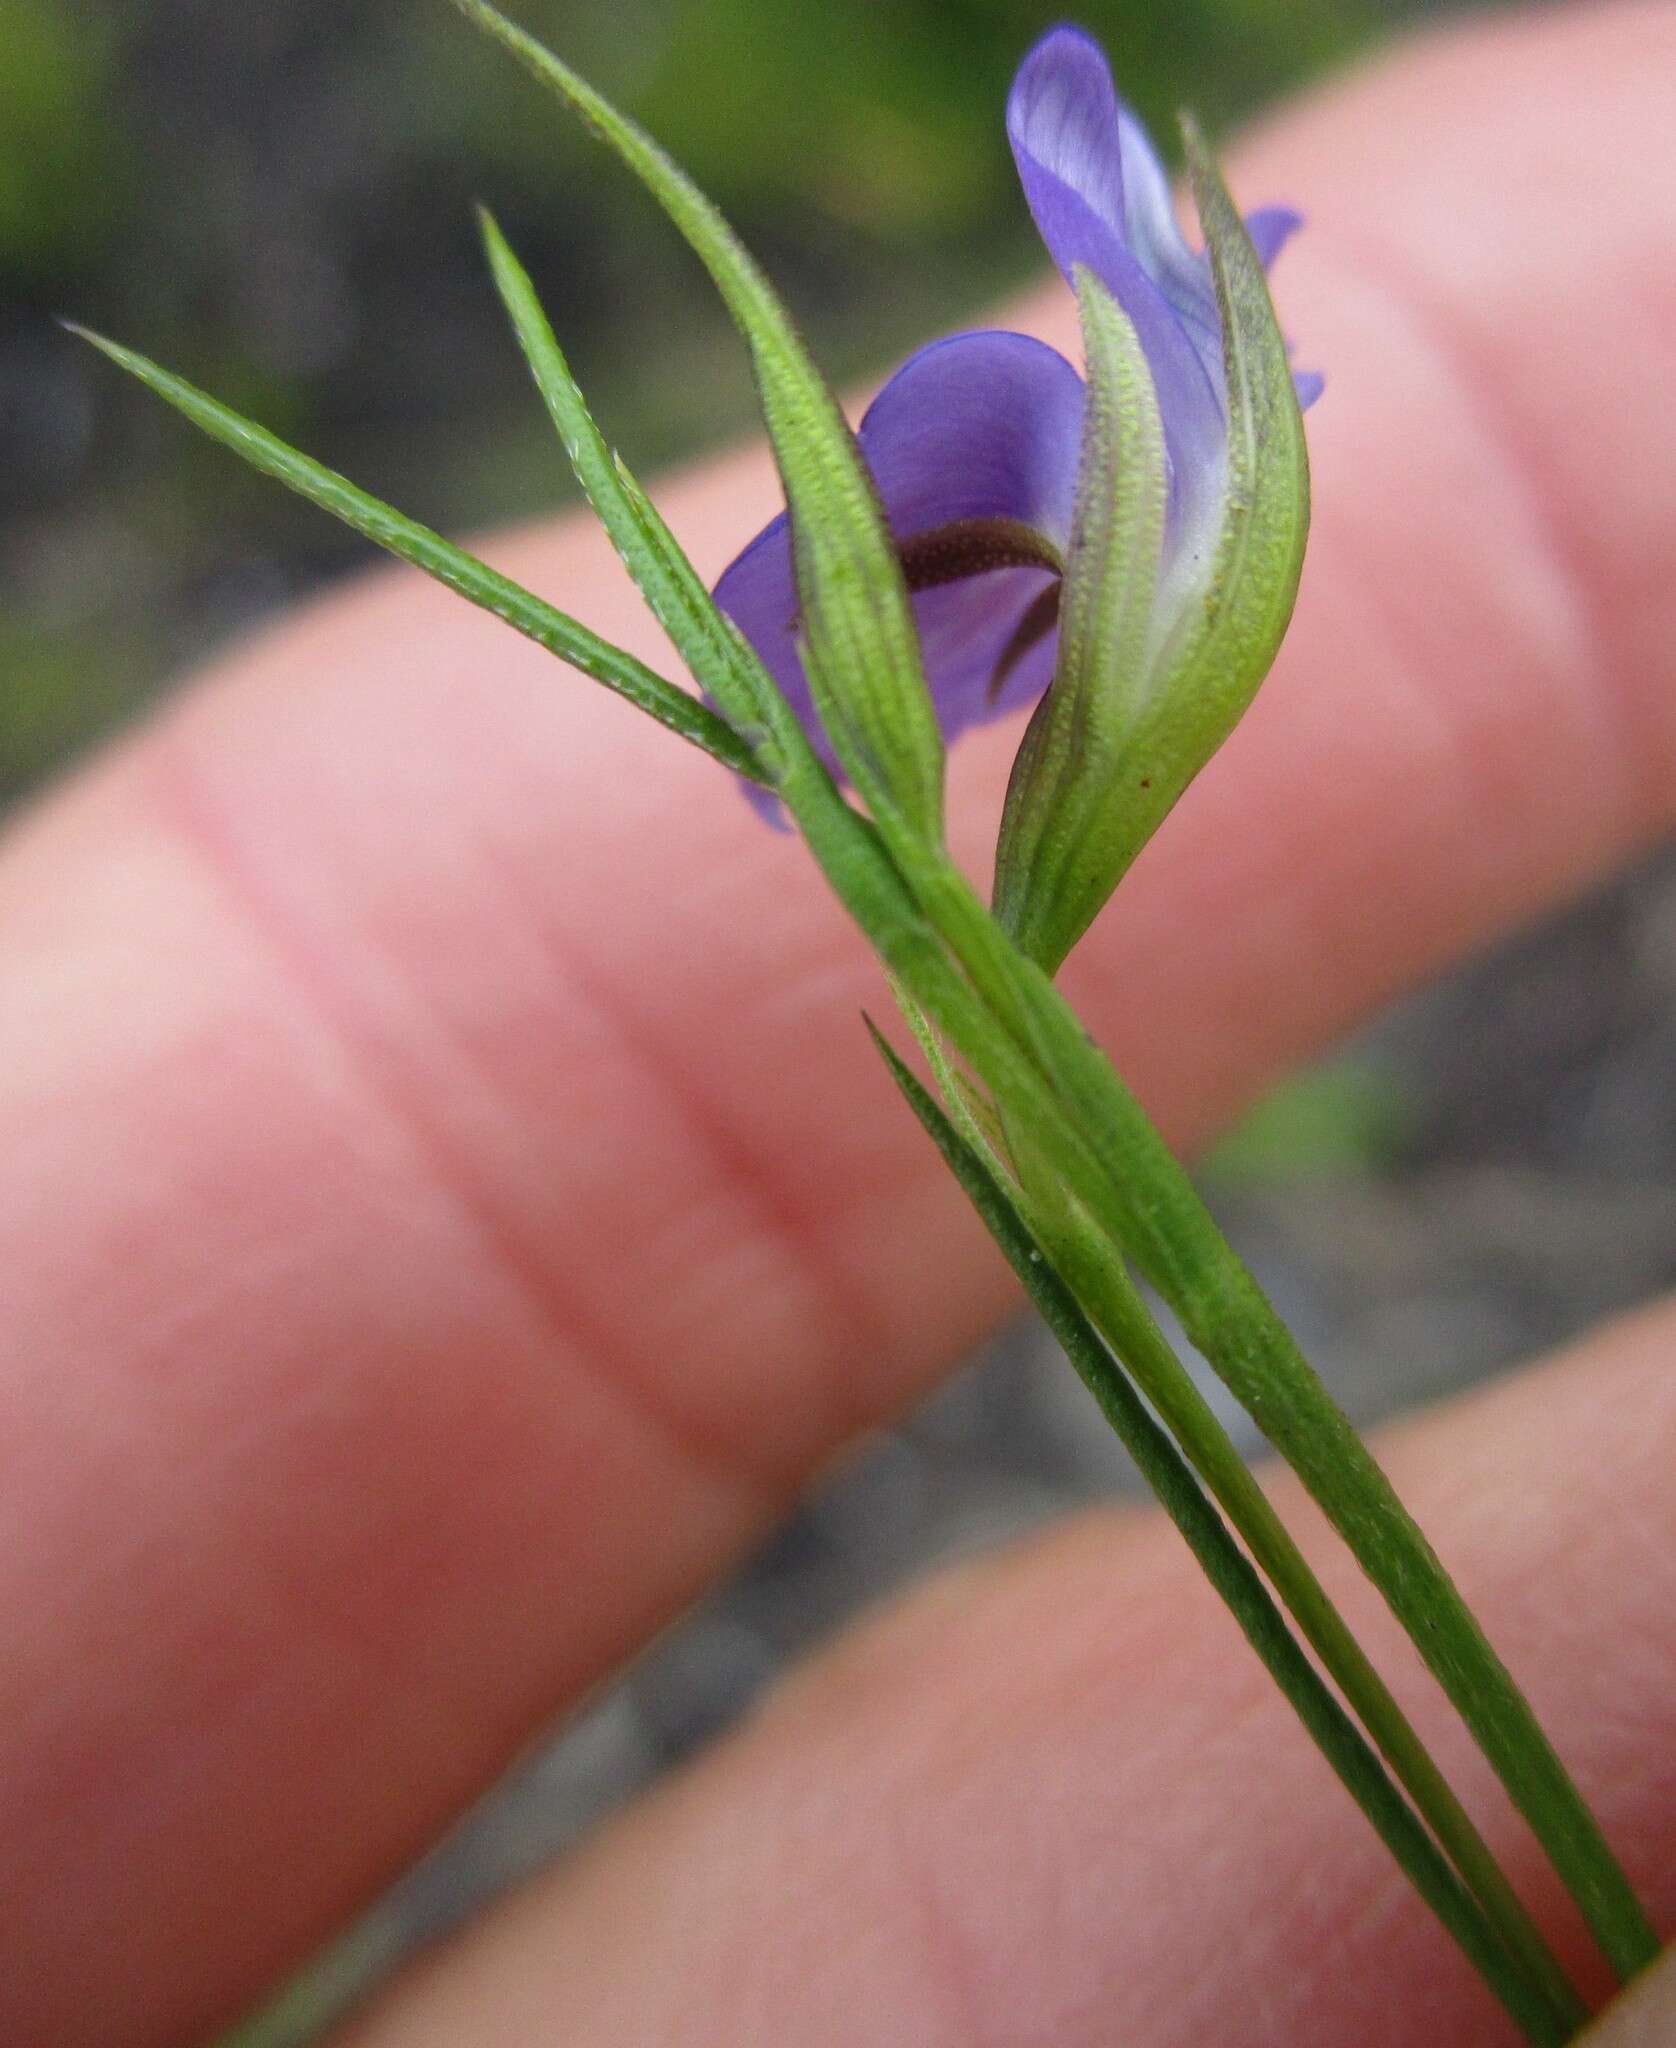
(1100, 198)
(978, 426)
(1309, 385)
(1153, 232)
(981, 426)
(1062, 121)
(1270, 229)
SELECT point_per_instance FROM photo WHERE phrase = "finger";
(439, 1128)
(1646, 2016)
(1054, 1799)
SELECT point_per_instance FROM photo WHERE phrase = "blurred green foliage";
(1348, 1116)
(274, 196)
(60, 149)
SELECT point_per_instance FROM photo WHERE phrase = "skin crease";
(355, 1004)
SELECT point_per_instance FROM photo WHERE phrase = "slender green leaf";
(709, 643)
(972, 1111)
(1235, 1579)
(862, 646)
(1047, 1076)
(1066, 833)
(1096, 1272)
(1095, 1172)
(1004, 1017)
(529, 615)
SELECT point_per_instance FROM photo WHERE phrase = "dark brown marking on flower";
(1037, 623)
(974, 547)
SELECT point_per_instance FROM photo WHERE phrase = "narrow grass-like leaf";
(1050, 1078)
(862, 646)
(1046, 1075)
(1004, 1016)
(713, 648)
(971, 1109)
(1098, 1276)
(418, 545)
(1066, 832)
(1236, 1580)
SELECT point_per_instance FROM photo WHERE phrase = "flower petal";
(978, 426)
(982, 426)
(1100, 198)
(1153, 230)
(1270, 229)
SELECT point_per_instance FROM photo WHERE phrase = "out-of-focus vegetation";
(274, 196)
(1351, 1115)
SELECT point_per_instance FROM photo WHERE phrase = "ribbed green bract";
(1128, 722)
(1065, 832)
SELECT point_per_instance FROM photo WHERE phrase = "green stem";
(1227, 1317)
(1010, 1024)
(1102, 1287)
(1106, 1152)
(1546, 2013)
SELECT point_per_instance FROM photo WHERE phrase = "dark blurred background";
(274, 196)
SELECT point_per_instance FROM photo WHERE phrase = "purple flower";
(974, 443)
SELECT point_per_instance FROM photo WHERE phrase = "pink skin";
(451, 1206)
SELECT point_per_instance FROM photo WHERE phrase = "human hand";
(431, 1263)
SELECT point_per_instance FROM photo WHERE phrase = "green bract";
(1069, 828)
(1129, 722)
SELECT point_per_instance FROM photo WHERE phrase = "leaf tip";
(1192, 135)
(495, 244)
(124, 358)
